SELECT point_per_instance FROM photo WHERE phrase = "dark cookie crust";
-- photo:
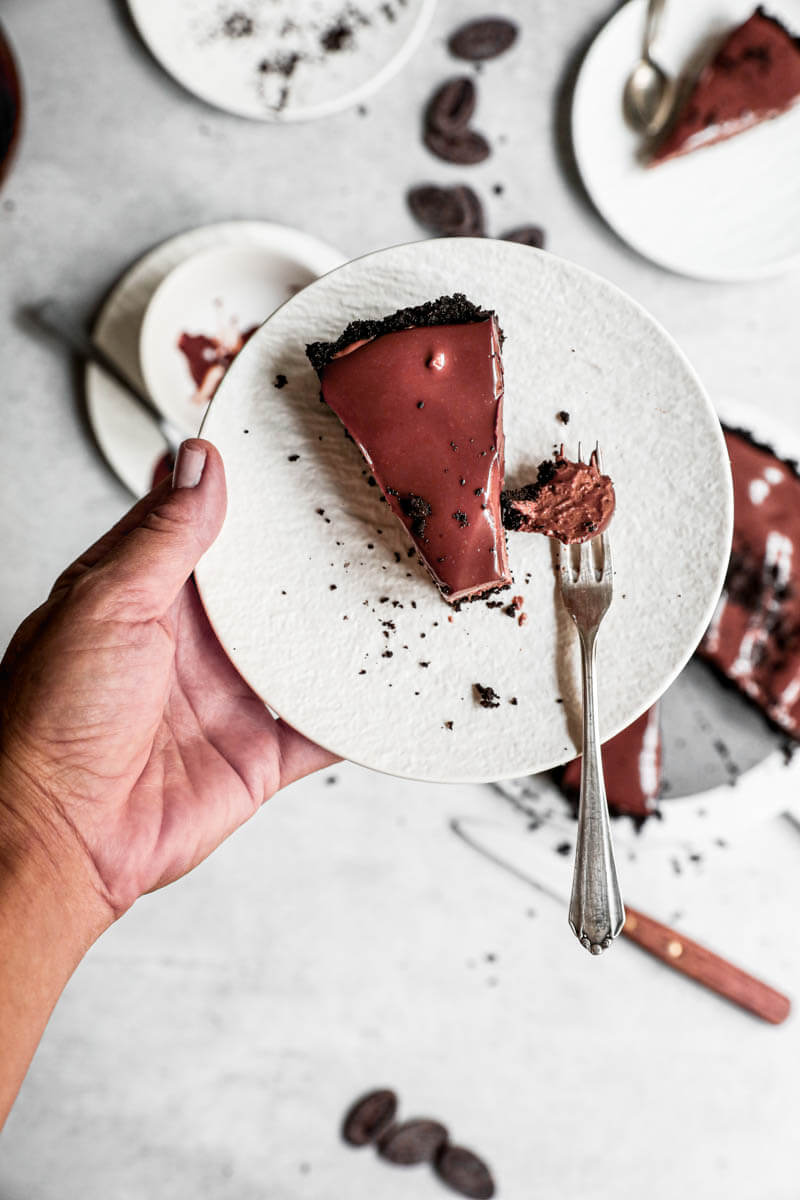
(446, 310)
(512, 518)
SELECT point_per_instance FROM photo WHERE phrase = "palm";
(128, 718)
(212, 761)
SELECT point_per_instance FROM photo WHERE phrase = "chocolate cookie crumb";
(238, 25)
(487, 696)
(563, 417)
(280, 381)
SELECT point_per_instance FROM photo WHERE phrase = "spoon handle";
(652, 24)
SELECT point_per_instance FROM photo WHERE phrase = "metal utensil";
(649, 92)
(510, 849)
(50, 318)
(596, 912)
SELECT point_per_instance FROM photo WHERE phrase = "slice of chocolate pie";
(754, 75)
(421, 394)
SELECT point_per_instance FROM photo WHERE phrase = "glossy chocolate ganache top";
(424, 404)
(754, 635)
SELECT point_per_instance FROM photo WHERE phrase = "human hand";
(128, 740)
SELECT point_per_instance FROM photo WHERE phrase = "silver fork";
(596, 912)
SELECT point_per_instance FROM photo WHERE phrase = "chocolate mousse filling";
(571, 501)
(421, 394)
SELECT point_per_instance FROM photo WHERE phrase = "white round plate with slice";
(282, 60)
(725, 212)
(309, 586)
(126, 434)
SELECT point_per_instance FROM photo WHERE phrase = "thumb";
(147, 568)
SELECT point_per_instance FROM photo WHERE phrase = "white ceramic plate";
(726, 212)
(282, 60)
(220, 293)
(701, 720)
(129, 439)
(299, 597)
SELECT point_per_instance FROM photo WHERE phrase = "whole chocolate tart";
(754, 76)
(421, 394)
(754, 636)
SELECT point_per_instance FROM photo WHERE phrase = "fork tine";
(598, 454)
(586, 562)
(607, 565)
(564, 564)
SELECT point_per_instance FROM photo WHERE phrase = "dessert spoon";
(649, 91)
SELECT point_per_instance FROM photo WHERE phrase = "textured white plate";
(730, 211)
(701, 814)
(282, 60)
(128, 438)
(299, 598)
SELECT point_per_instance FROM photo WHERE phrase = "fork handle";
(596, 912)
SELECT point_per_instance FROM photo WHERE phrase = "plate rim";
(288, 116)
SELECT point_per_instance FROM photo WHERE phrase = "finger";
(298, 755)
(143, 571)
(105, 544)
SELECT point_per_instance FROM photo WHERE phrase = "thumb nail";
(189, 465)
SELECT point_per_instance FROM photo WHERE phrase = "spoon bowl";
(648, 97)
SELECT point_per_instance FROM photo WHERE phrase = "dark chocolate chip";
(437, 208)
(474, 224)
(482, 39)
(453, 212)
(281, 381)
(451, 106)
(465, 148)
(414, 1141)
(465, 1173)
(526, 235)
(369, 1117)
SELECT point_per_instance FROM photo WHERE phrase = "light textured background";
(211, 1041)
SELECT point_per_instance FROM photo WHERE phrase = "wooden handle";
(705, 967)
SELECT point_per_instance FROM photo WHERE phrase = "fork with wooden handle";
(596, 912)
